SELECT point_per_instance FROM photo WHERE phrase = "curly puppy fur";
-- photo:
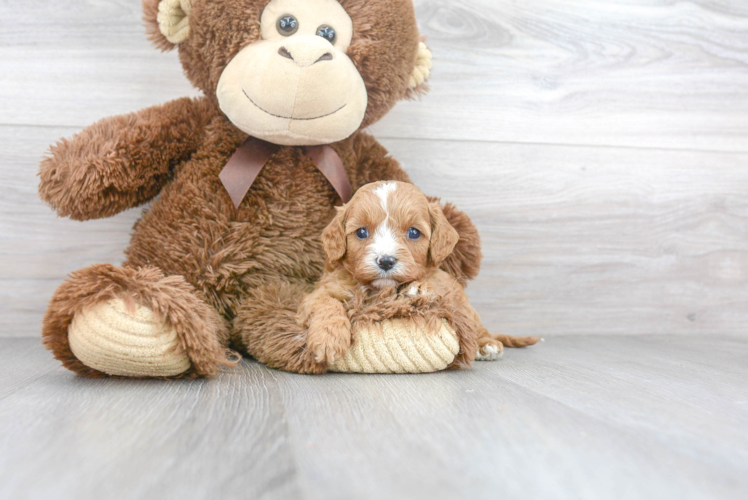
(193, 250)
(383, 251)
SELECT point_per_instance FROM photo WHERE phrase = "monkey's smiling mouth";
(290, 117)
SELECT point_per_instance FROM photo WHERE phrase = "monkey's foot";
(124, 322)
(126, 341)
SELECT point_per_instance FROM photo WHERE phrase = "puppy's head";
(388, 234)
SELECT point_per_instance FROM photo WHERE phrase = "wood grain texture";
(600, 147)
(578, 417)
(71, 63)
(660, 73)
(598, 240)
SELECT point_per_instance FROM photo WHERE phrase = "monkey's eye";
(413, 233)
(327, 33)
(362, 233)
(288, 25)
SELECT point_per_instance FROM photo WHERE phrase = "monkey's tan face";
(296, 86)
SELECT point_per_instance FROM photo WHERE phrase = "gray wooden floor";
(577, 417)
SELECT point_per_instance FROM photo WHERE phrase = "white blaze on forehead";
(383, 193)
(384, 243)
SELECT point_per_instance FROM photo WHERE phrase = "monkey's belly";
(276, 236)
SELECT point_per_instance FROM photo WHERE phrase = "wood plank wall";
(601, 147)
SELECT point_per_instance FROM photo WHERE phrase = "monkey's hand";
(121, 161)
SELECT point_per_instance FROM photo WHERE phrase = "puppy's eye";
(326, 32)
(362, 233)
(413, 233)
(287, 25)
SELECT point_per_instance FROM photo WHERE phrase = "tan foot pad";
(109, 338)
(400, 347)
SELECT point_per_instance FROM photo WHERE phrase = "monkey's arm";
(121, 161)
(375, 164)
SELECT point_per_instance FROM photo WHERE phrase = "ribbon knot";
(248, 161)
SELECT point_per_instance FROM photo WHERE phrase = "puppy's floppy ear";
(333, 237)
(443, 236)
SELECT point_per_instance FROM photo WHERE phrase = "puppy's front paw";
(491, 350)
(420, 289)
(329, 338)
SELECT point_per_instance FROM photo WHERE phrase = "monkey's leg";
(266, 328)
(106, 320)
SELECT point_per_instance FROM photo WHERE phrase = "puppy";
(389, 236)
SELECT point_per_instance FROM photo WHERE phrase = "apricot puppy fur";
(390, 237)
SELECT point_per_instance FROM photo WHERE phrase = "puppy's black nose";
(386, 263)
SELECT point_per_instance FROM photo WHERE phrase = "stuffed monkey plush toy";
(244, 180)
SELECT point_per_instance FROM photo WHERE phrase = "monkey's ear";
(443, 236)
(167, 22)
(422, 70)
(333, 237)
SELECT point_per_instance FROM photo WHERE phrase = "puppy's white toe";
(489, 353)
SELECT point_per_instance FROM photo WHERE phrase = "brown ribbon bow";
(246, 164)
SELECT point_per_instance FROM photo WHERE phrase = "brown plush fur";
(122, 161)
(193, 249)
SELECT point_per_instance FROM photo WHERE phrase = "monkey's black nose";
(386, 263)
